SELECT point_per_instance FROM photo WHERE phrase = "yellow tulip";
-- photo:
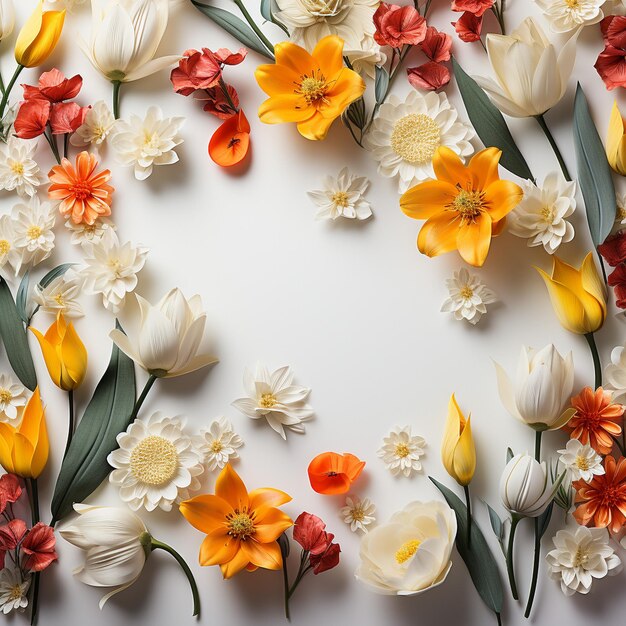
(39, 36)
(24, 450)
(64, 353)
(616, 142)
(577, 295)
(458, 453)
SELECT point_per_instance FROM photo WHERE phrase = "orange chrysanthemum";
(595, 420)
(332, 473)
(604, 498)
(84, 193)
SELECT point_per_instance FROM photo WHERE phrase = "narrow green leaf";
(594, 172)
(489, 123)
(268, 11)
(496, 523)
(544, 519)
(21, 299)
(381, 84)
(478, 558)
(55, 272)
(14, 338)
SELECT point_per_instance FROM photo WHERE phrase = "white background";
(353, 307)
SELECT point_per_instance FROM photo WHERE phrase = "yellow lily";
(64, 353)
(577, 295)
(616, 141)
(458, 453)
(24, 450)
(39, 36)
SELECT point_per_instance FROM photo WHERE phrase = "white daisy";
(9, 253)
(13, 398)
(275, 398)
(342, 196)
(358, 513)
(404, 136)
(580, 555)
(13, 590)
(582, 462)
(468, 297)
(540, 216)
(60, 296)
(366, 57)
(218, 444)
(33, 222)
(566, 15)
(144, 143)
(88, 234)
(615, 373)
(18, 169)
(156, 464)
(401, 452)
(95, 128)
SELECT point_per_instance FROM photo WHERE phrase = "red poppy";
(31, 119)
(476, 7)
(397, 26)
(468, 27)
(436, 45)
(617, 280)
(332, 473)
(429, 76)
(10, 536)
(39, 548)
(613, 250)
(66, 117)
(231, 141)
(54, 87)
(10, 490)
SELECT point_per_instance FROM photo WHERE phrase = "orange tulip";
(231, 141)
(331, 473)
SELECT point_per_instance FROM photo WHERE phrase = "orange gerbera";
(241, 527)
(331, 473)
(595, 420)
(84, 193)
(464, 207)
(604, 498)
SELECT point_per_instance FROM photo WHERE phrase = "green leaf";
(21, 299)
(496, 522)
(106, 415)
(544, 519)
(55, 272)
(594, 172)
(14, 338)
(509, 454)
(489, 123)
(381, 84)
(268, 9)
(479, 559)
(235, 27)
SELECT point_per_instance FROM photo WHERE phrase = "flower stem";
(156, 544)
(546, 131)
(116, 98)
(70, 429)
(34, 504)
(7, 91)
(515, 519)
(266, 42)
(53, 144)
(533, 583)
(286, 587)
(468, 502)
(597, 367)
(538, 434)
(140, 400)
(35, 500)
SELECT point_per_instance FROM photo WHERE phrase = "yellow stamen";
(407, 550)
(340, 198)
(313, 88)
(154, 460)
(469, 204)
(467, 292)
(268, 400)
(402, 450)
(240, 525)
(582, 463)
(216, 446)
(415, 138)
(5, 246)
(33, 232)
(5, 396)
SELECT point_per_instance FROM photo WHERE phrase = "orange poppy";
(332, 473)
(231, 141)
(241, 527)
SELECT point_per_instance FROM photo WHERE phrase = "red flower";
(397, 26)
(10, 490)
(10, 536)
(217, 103)
(614, 249)
(614, 30)
(468, 27)
(617, 280)
(54, 87)
(309, 531)
(327, 560)
(66, 117)
(476, 7)
(231, 141)
(611, 65)
(436, 45)
(429, 76)
(226, 57)
(32, 118)
(38, 548)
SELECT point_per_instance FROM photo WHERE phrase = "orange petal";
(427, 199)
(230, 487)
(501, 197)
(474, 239)
(449, 167)
(328, 53)
(265, 555)
(352, 466)
(267, 496)
(271, 524)
(239, 562)
(275, 80)
(294, 58)
(439, 234)
(230, 142)
(218, 549)
(316, 127)
(484, 167)
(285, 108)
(207, 513)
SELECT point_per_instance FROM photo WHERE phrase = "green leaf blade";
(268, 11)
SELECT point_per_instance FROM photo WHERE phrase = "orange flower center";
(240, 525)
(469, 204)
(81, 190)
(611, 496)
(313, 89)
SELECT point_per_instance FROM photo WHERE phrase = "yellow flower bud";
(616, 142)
(458, 453)
(39, 36)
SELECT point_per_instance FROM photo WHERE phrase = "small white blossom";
(582, 462)
(13, 591)
(95, 128)
(13, 398)
(343, 196)
(567, 15)
(358, 513)
(60, 296)
(9, 253)
(401, 452)
(88, 234)
(366, 57)
(468, 297)
(218, 444)
(33, 224)
(18, 169)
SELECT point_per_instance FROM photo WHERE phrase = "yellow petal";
(484, 167)
(451, 434)
(265, 555)
(566, 305)
(328, 53)
(42, 449)
(276, 80)
(74, 356)
(53, 363)
(439, 234)
(427, 199)
(7, 435)
(315, 128)
(39, 36)
(465, 456)
(345, 88)
(294, 58)
(449, 167)
(285, 108)
(501, 197)
(22, 456)
(593, 284)
(32, 416)
(614, 140)
(474, 239)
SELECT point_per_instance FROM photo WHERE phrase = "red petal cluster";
(611, 63)
(310, 532)
(613, 250)
(398, 26)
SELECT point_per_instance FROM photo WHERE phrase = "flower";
(468, 297)
(617, 280)
(96, 126)
(13, 397)
(11, 535)
(331, 473)
(398, 26)
(10, 490)
(437, 45)
(458, 453)
(565, 15)
(111, 270)
(343, 196)
(580, 555)
(230, 143)
(218, 444)
(530, 77)
(39, 36)
(18, 169)
(429, 76)
(84, 194)
(401, 452)
(596, 420)
(310, 89)
(577, 295)
(358, 513)
(410, 553)
(148, 142)
(540, 216)
(308, 21)
(53, 86)
(168, 339)
(543, 386)
(38, 547)
(468, 27)
(59, 296)
(33, 222)
(32, 118)
(64, 353)
(611, 61)
(89, 234)
(464, 207)
(24, 450)
(581, 461)
(616, 141)
(13, 590)
(275, 398)
(9, 253)
(125, 36)
(7, 18)
(615, 373)
(155, 464)
(613, 249)
(404, 136)
(475, 7)
(620, 214)
(602, 502)
(310, 532)
(241, 527)
(366, 57)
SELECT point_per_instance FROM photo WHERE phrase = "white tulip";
(7, 18)
(543, 386)
(410, 553)
(169, 336)
(125, 36)
(530, 77)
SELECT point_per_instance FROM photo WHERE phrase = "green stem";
(70, 429)
(140, 400)
(468, 502)
(286, 587)
(34, 600)
(35, 501)
(597, 366)
(555, 148)
(2, 87)
(7, 91)
(155, 544)
(116, 98)
(538, 434)
(515, 519)
(53, 144)
(266, 42)
(66, 144)
(533, 583)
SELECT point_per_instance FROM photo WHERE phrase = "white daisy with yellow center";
(358, 513)
(401, 452)
(9, 253)
(19, 171)
(13, 590)
(343, 196)
(567, 15)
(581, 461)
(468, 297)
(60, 295)
(13, 398)
(33, 224)
(218, 444)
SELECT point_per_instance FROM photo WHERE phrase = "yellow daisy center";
(581, 557)
(5, 246)
(340, 198)
(16, 592)
(407, 550)
(312, 88)
(467, 292)
(240, 525)
(573, 4)
(17, 168)
(116, 267)
(5, 396)
(469, 204)
(59, 299)
(547, 212)
(402, 450)
(216, 446)
(358, 515)
(582, 463)
(268, 400)
(154, 460)
(33, 232)
(621, 213)
(415, 138)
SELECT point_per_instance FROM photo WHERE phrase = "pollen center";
(17, 168)
(16, 592)
(340, 198)
(5, 247)
(407, 550)
(415, 138)
(154, 460)
(33, 232)
(573, 4)
(581, 557)
(467, 292)
(313, 88)
(81, 190)
(358, 514)
(268, 400)
(5, 396)
(469, 204)
(547, 212)
(402, 450)
(216, 446)
(240, 525)
(582, 463)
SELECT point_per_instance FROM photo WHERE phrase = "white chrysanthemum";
(404, 136)
(13, 590)
(88, 234)
(156, 464)
(615, 373)
(582, 462)
(358, 513)
(111, 270)
(401, 452)
(18, 169)
(33, 224)
(95, 128)
(566, 15)
(60, 296)
(580, 555)
(308, 21)
(218, 444)
(541, 215)
(342, 196)
(148, 142)
(366, 57)
(13, 398)
(468, 297)
(275, 398)
(9, 253)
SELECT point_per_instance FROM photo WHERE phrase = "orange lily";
(241, 527)
(464, 207)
